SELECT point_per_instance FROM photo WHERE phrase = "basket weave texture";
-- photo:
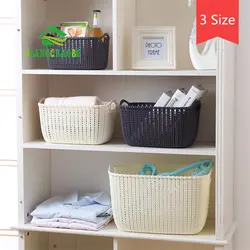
(147, 126)
(77, 125)
(159, 204)
(94, 54)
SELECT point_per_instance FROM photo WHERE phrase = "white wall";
(242, 120)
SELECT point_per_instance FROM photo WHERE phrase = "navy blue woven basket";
(148, 126)
(94, 54)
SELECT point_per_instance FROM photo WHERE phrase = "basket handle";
(42, 100)
(104, 38)
(123, 101)
(148, 169)
(203, 166)
(112, 104)
(112, 169)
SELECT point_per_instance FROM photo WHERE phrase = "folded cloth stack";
(73, 101)
(88, 212)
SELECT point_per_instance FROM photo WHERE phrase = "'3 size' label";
(217, 18)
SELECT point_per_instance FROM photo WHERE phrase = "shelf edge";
(127, 235)
(174, 73)
(119, 148)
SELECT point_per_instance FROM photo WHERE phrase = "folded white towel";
(73, 101)
(71, 224)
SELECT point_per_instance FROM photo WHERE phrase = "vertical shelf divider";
(125, 21)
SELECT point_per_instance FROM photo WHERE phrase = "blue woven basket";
(148, 126)
(94, 54)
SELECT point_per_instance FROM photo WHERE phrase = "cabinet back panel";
(132, 13)
(80, 10)
(125, 244)
(52, 241)
(168, 13)
(35, 241)
(46, 241)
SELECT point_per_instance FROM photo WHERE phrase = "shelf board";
(206, 236)
(115, 145)
(121, 72)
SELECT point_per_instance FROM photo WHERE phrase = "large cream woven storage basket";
(158, 204)
(77, 124)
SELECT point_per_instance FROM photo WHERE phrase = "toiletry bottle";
(96, 30)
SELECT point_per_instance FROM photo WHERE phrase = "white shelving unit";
(48, 169)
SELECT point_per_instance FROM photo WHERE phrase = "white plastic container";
(77, 125)
(158, 204)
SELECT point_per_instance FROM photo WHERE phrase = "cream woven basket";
(158, 204)
(77, 125)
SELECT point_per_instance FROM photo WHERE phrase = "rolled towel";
(73, 101)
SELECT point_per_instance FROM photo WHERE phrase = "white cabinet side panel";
(225, 138)
(115, 33)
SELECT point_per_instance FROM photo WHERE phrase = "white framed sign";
(154, 48)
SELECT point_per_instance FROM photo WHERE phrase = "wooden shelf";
(206, 236)
(120, 72)
(119, 146)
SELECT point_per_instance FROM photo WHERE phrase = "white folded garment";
(71, 224)
(73, 101)
(90, 207)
